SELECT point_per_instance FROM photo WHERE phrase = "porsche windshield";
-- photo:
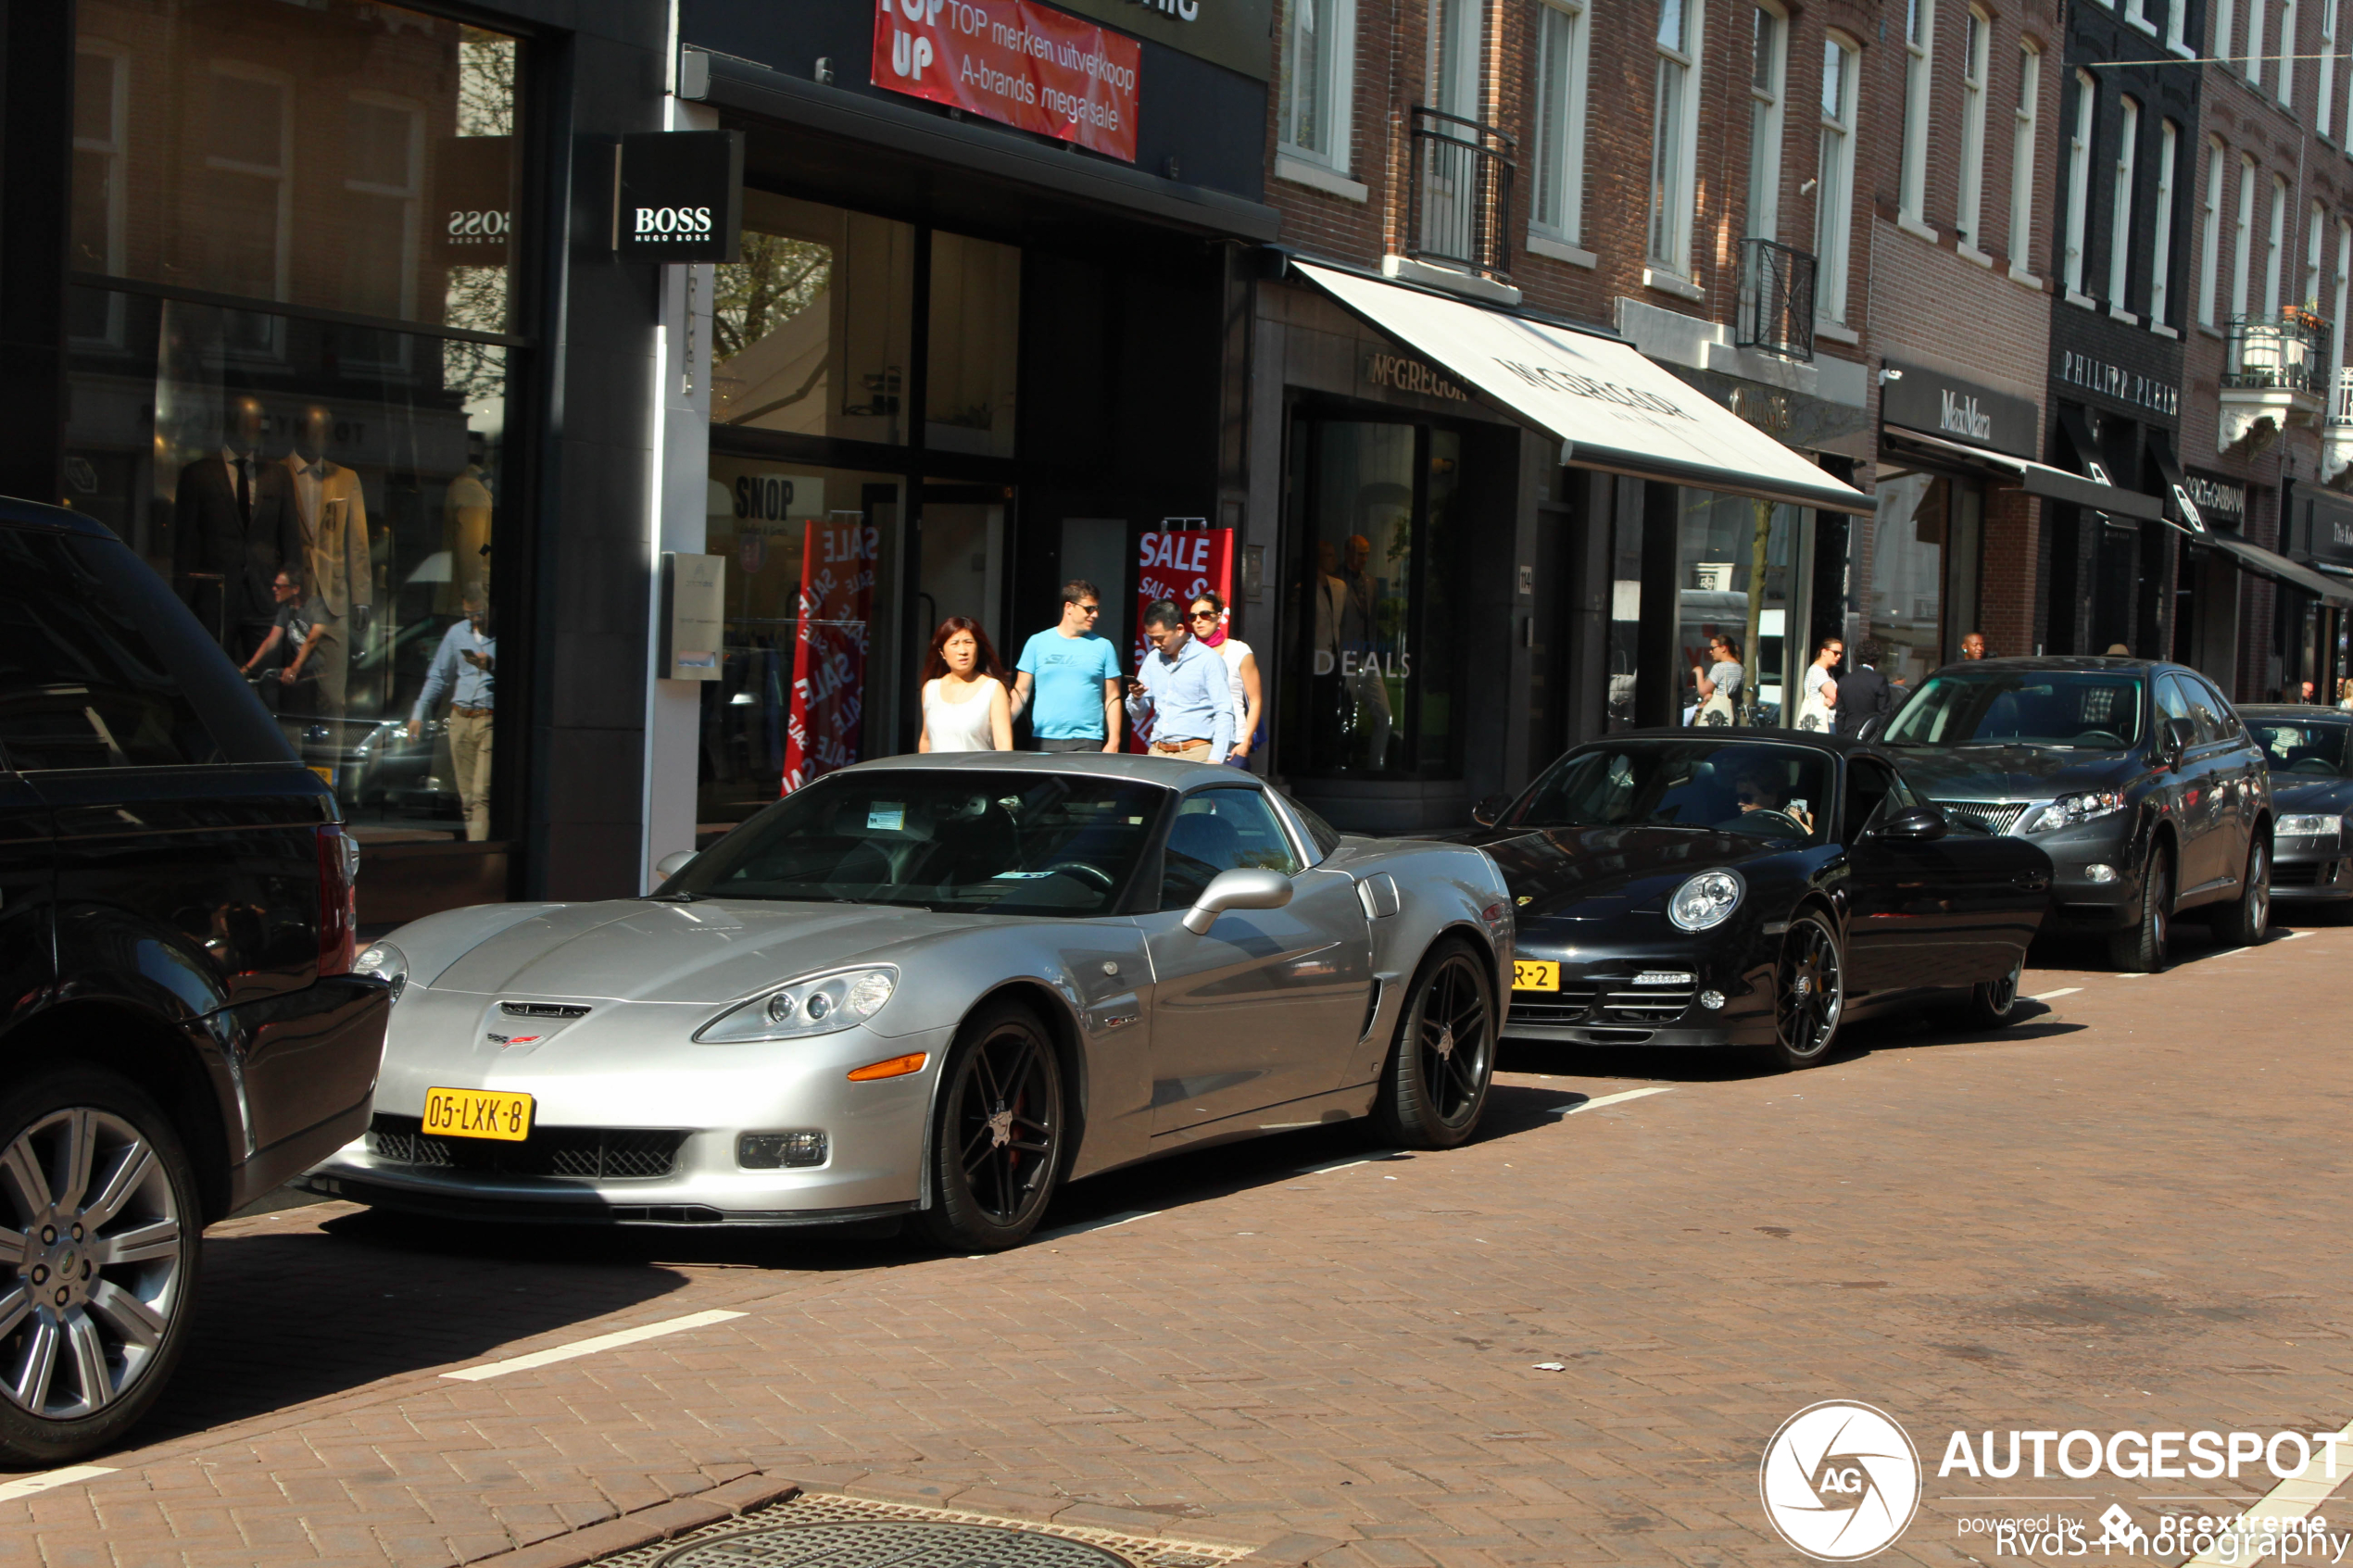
(1009, 842)
(1753, 787)
(2081, 709)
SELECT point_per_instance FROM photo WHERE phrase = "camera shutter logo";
(1840, 1481)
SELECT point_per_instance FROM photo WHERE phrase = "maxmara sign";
(1918, 399)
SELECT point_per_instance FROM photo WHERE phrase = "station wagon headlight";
(2069, 811)
(387, 963)
(1705, 900)
(839, 998)
(2323, 826)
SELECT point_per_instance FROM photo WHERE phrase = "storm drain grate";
(821, 1530)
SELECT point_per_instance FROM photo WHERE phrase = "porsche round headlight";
(387, 963)
(1705, 900)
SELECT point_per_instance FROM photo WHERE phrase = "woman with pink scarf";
(1207, 621)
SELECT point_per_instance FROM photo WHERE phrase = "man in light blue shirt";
(1072, 672)
(1184, 689)
(462, 669)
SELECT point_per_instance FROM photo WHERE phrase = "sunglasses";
(1205, 615)
(1090, 609)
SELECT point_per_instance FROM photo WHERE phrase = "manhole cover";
(897, 1543)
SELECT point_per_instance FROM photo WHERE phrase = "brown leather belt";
(1177, 745)
(470, 712)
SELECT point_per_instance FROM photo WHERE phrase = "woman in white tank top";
(1208, 622)
(966, 707)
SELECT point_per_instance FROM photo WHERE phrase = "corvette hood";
(2013, 772)
(1555, 869)
(711, 950)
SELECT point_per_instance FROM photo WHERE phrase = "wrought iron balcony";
(1462, 194)
(2287, 353)
(2341, 402)
(1777, 300)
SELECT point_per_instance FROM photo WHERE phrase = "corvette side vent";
(543, 1009)
(1372, 1004)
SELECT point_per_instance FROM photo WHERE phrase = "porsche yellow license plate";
(1534, 974)
(478, 1113)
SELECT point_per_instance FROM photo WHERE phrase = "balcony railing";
(1462, 194)
(2286, 354)
(1777, 300)
(2341, 402)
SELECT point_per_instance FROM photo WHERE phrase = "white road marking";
(2136, 974)
(1610, 1100)
(2054, 996)
(26, 1485)
(590, 1347)
(2295, 1497)
(1129, 1218)
(2294, 934)
(1352, 1160)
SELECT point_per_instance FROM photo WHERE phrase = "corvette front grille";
(1997, 817)
(600, 1153)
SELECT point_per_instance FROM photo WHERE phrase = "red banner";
(1179, 567)
(1016, 62)
(829, 648)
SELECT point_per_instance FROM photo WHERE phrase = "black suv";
(2136, 778)
(179, 1031)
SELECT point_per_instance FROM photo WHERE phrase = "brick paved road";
(2124, 1211)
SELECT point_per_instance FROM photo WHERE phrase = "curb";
(662, 1522)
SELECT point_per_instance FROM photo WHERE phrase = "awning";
(2087, 455)
(2279, 569)
(2035, 478)
(1619, 411)
(2182, 511)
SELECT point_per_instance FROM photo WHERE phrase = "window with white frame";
(2347, 119)
(1454, 39)
(1768, 74)
(2343, 275)
(2275, 249)
(2317, 227)
(2225, 26)
(2169, 137)
(2136, 12)
(98, 221)
(1976, 55)
(2322, 103)
(1919, 54)
(1318, 69)
(2210, 231)
(1834, 179)
(2030, 91)
(1559, 211)
(2119, 217)
(2283, 75)
(2253, 61)
(2176, 23)
(2079, 182)
(1674, 129)
(2242, 239)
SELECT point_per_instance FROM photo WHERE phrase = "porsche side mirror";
(670, 865)
(1242, 888)
(1490, 811)
(1919, 823)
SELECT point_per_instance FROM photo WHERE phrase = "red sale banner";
(829, 648)
(1016, 62)
(1179, 567)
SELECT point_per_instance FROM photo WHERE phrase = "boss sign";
(681, 197)
(1016, 62)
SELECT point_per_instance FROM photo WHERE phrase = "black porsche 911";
(1750, 890)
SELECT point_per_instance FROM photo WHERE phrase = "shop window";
(1625, 605)
(1375, 551)
(975, 316)
(100, 215)
(1921, 573)
(1740, 571)
(812, 331)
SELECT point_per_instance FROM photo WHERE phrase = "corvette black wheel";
(1435, 1084)
(997, 1141)
(1809, 992)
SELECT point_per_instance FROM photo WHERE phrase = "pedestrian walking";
(1719, 685)
(1818, 711)
(1070, 675)
(464, 669)
(966, 707)
(1206, 621)
(1864, 695)
(1184, 689)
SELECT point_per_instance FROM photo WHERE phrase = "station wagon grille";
(603, 1153)
(1996, 817)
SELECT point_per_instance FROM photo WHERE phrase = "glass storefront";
(1740, 571)
(1921, 589)
(252, 184)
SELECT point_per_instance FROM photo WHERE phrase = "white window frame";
(1834, 176)
(2243, 240)
(2336, 321)
(2252, 65)
(2275, 249)
(2078, 181)
(1768, 108)
(281, 173)
(2022, 154)
(2136, 12)
(2285, 81)
(2225, 24)
(2209, 261)
(2119, 215)
(2176, 21)
(2168, 153)
(1454, 71)
(1560, 124)
(1920, 60)
(2314, 277)
(1333, 114)
(112, 147)
(1674, 149)
(1977, 56)
(2324, 100)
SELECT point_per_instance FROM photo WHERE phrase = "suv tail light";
(338, 899)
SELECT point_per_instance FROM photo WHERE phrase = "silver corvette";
(939, 986)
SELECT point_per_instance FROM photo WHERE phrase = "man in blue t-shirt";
(1074, 676)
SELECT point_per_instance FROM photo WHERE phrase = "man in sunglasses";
(1072, 671)
(1186, 691)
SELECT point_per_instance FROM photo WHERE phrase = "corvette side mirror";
(1490, 811)
(670, 865)
(1920, 823)
(1242, 888)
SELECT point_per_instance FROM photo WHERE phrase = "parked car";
(2137, 777)
(936, 986)
(2310, 752)
(1735, 890)
(182, 1032)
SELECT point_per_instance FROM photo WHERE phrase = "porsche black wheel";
(1992, 1004)
(1435, 1084)
(998, 1134)
(1809, 993)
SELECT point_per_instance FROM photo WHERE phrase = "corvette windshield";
(2081, 709)
(1766, 791)
(1008, 843)
(2311, 751)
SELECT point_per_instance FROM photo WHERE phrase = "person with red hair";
(966, 707)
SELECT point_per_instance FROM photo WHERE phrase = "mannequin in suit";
(232, 526)
(332, 517)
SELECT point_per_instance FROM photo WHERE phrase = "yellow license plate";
(1535, 974)
(477, 1113)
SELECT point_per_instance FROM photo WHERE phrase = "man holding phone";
(464, 669)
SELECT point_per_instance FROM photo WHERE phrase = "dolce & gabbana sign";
(2221, 502)
(1917, 399)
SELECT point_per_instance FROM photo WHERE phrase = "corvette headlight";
(2308, 826)
(840, 998)
(387, 963)
(2069, 811)
(1705, 900)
